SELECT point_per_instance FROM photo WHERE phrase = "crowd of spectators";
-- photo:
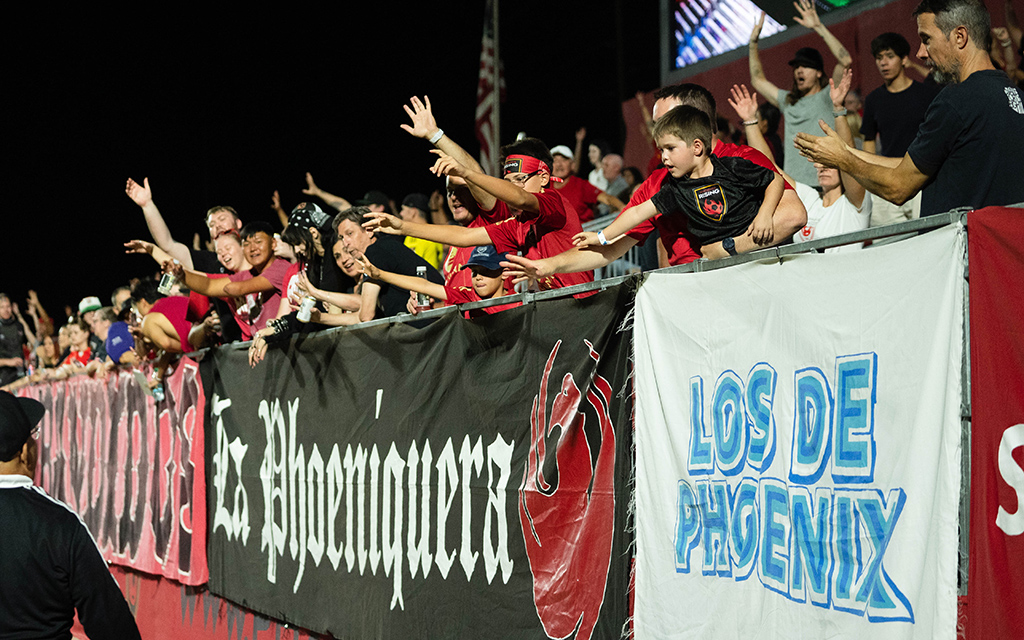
(717, 185)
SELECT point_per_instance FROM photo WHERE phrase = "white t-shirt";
(822, 221)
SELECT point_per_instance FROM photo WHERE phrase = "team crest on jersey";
(711, 201)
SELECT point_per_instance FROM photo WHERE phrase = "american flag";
(487, 97)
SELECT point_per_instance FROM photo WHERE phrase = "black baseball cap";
(808, 57)
(18, 416)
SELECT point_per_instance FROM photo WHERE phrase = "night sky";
(225, 108)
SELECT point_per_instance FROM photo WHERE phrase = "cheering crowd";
(910, 148)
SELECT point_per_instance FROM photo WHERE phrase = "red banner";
(133, 470)
(995, 587)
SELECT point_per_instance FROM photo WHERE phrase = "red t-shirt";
(175, 309)
(254, 310)
(462, 295)
(539, 235)
(681, 246)
(81, 357)
(582, 195)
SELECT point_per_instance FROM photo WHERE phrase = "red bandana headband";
(527, 164)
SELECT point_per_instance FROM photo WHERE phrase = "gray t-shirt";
(803, 117)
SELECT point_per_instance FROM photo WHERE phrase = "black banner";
(468, 479)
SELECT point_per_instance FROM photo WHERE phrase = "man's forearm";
(413, 283)
(833, 44)
(879, 178)
(505, 191)
(447, 234)
(461, 156)
(576, 260)
(611, 201)
(203, 285)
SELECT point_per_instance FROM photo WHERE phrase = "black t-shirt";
(12, 337)
(896, 116)
(389, 254)
(970, 145)
(720, 206)
(207, 262)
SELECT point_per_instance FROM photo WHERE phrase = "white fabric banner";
(798, 446)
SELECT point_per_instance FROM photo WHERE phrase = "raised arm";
(275, 204)
(24, 324)
(453, 235)
(331, 200)
(757, 77)
(141, 246)
(853, 190)
(425, 126)
(581, 135)
(409, 283)
(510, 194)
(745, 106)
(808, 17)
(142, 195)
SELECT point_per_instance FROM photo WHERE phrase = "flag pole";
(497, 92)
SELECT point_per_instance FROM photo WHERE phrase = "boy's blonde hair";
(686, 123)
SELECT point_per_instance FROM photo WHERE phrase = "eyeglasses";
(519, 179)
(34, 433)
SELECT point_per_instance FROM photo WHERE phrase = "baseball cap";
(808, 57)
(91, 303)
(485, 256)
(373, 197)
(562, 150)
(417, 201)
(18, 416)
(119, 341)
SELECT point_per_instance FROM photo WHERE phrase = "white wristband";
(437, 136)
(601, 238)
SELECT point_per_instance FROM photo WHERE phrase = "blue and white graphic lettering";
(853, 458)
(810, 545)
(713, 501)
(687, 526)
(701, 459)
(812, 426)
(743, 528)
(773, 565)
(729, 424)
(760, 400)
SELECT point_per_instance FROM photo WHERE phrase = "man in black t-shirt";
(12, 337)
(964, 152)
(380, 299)
(894, 112)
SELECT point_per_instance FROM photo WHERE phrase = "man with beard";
(962, 155)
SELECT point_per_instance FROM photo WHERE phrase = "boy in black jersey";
(721, 197)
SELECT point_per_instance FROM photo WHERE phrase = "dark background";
(224, 108)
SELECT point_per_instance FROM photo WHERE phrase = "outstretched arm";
(481, 183)
(425, 126)
(142, 195)
(809, 18)
(155, 252)
(449, 234)
(572, 261)
(409, 283)
(757, 77)
(630, 218)
(894, 179)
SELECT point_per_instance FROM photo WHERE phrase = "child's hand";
(585, 239)
(368, 269)
(380, 221)
(761, 230)
(447, 165)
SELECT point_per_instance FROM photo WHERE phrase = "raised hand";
(138, 246)
(423, 123)
(311, 188)
(436, 202)
(447, 165)
(380, 221)
(742, 102)
(140, 194)
(838, 94)
(581, 133)
(808, 14)
(756, 33)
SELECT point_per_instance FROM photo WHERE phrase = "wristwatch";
(729, 245)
